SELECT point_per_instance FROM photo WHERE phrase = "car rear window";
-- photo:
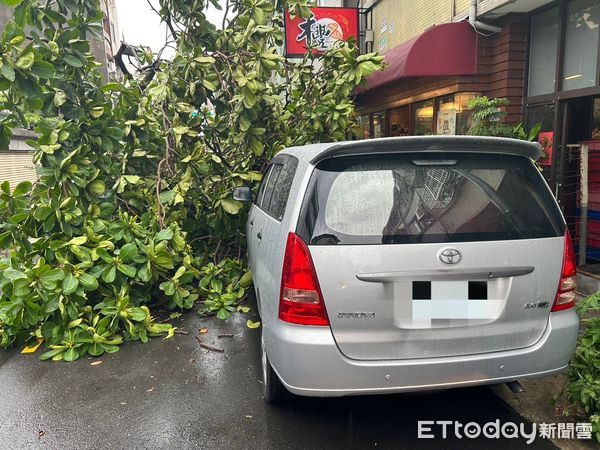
(427, 198)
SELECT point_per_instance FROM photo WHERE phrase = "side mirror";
(242, 194)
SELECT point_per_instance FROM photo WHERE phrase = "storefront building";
(439, 69)
(563, 94)
(544, 57)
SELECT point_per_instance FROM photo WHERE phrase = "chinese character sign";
(321, 30)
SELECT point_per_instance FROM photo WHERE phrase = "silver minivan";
(409, 264)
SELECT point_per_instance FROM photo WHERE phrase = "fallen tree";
(132, 208)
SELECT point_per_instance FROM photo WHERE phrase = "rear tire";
(273, 390)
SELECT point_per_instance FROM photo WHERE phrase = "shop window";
(379, 124)
(399, 121)
(364, 122)
(544, 115)
(543, 51)
(446, 115)
(424, 117)
(581, 44)
(452, 113)
(463, 113)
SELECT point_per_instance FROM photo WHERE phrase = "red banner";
(320, 31)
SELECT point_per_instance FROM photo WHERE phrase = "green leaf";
(21, 287)
(8, 72)
(10, 3)
(164, 260)
(223, 314)
(59, 98)
(26, 61)
(145, 274)
(181, 130)
(52, 353)
(209, 85)
(252, 325)
(79, 240)
(53, 275)
(43, 69)
(71, 355)
(128, 252)
(69, 284)
(95, 349)
(109, 274)
(50, 149)
(88, 282)
(138, 314)
(164, 235)
(74, 323)
(41, 213)
(216, 285)
(13, 274)
(179, 273)
(246, 280)
(97, 112)
(207, 60)
(130, 271)
(231, 206)
(22, 189)
(168, 287)
(72, 61)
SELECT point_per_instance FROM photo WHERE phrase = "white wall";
(330, 2)
(16, 164)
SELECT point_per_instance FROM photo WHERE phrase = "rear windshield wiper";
(493, 196)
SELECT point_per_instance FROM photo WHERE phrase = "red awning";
(443, 50)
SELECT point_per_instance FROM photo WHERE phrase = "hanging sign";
(320, 31)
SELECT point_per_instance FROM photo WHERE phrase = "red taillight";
(565, 295)
(300, 300)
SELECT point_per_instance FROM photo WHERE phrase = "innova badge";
(450, 256)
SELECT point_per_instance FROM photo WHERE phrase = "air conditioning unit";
(369, 36)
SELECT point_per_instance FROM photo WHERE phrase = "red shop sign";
(320, 31)
(546, 140)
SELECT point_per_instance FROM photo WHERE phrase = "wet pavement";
(174, 394)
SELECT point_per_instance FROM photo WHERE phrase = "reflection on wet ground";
(173, 394)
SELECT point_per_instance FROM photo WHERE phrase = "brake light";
(300, 300)
(565, 295)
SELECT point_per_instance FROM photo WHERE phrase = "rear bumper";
(309, 363)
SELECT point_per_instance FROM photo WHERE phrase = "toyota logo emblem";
(450, 256)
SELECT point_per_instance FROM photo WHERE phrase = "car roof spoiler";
(431, 144)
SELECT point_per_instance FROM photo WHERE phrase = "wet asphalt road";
(173, 394)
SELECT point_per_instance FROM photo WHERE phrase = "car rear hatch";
(433, 254)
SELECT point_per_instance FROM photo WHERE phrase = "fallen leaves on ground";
(32, 348)
(252, 325)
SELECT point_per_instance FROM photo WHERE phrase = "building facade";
(441, 62)
(542, 55)
(105, 51)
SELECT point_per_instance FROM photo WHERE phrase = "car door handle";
(259, 235)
